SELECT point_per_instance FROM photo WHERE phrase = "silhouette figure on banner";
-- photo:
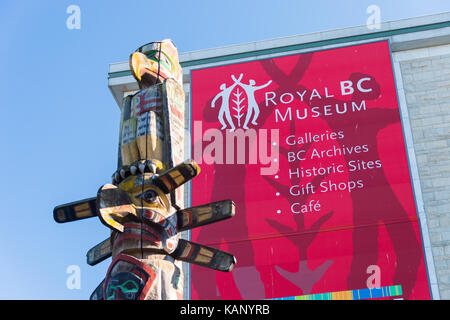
(252, 105)
(224, 108)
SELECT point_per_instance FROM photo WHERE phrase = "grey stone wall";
(426, 84)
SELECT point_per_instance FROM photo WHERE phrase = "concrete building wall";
(426, 86)
(421, 61)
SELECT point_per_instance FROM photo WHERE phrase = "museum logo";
(238, 106)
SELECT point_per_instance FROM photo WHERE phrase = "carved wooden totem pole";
(143, 204)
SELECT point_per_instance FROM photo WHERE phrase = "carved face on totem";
(139, 209)
(132, 284)
(145, 241)
(154, 62)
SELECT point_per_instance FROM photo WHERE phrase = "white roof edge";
(119, 66)
(315, 36)
(299, 39)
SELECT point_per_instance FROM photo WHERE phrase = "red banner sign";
(310, 148)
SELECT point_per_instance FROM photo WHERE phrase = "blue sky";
(60, 123)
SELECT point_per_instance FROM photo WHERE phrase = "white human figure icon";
(224, 108)
(250, 89)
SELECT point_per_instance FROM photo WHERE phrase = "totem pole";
(143, 204)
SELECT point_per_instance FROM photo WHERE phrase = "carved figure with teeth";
(142, 205)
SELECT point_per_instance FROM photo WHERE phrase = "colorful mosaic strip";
(361, 294)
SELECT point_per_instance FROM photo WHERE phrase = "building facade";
(420, 53)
